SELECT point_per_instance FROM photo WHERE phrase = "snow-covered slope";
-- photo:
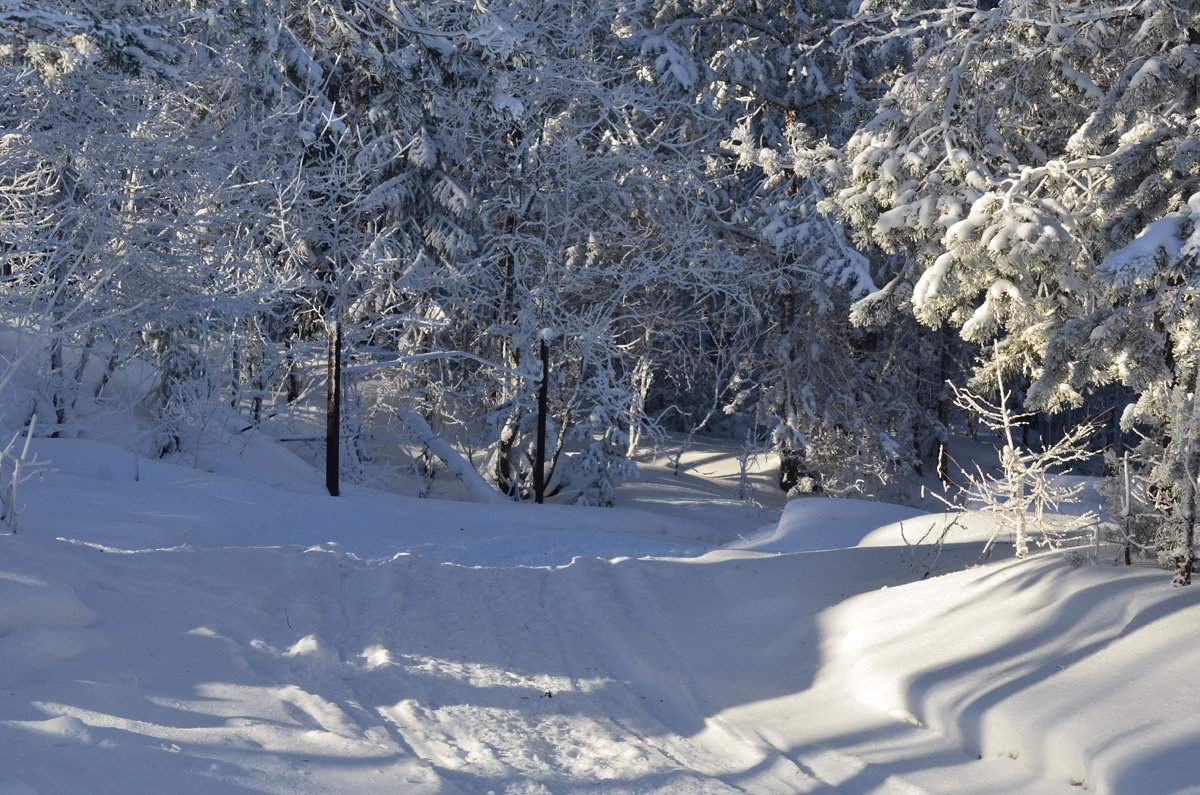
(236, 630)
(1086, 674)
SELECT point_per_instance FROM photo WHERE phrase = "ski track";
(331, 673)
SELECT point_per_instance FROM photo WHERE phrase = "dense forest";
(790, 222)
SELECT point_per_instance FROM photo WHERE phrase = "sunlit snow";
(238, 630)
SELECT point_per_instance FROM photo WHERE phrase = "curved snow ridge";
(39, 600)
(314, 667)
(815, 524)
(1033, 661)
(209, 514)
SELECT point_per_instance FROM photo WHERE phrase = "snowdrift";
(234, 629)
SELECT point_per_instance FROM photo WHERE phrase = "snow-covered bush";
(1029, 488)
(1136, 524)
(602, 465)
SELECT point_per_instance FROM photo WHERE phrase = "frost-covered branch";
(1030, 483)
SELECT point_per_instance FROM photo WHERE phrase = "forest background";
(789, 222)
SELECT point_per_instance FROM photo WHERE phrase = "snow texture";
(237, 630)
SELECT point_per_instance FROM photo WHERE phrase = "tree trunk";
(58, 376)
(1127, 513)
(1185, 425)
(508, 481)
(507, 470)
(333, 410)
(1185, 560)
(944, 402)
(539, 464)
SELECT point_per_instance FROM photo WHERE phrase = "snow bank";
(233, 628)
(1083, 674)
(820, 523)
(38, 601)
(266, 497)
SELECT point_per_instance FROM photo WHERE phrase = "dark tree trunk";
(1185, 562)
(539, 464)
(333, 410)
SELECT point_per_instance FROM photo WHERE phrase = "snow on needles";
(1163, 242)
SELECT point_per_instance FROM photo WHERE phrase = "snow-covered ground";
(233, 629)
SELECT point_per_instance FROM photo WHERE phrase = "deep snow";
(233, 629)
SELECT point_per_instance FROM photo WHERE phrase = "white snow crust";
(237, 630)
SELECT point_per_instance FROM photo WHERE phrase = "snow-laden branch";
(431, 357)
(454, 461)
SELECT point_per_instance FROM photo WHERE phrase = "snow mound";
(821, 523)
(237, 629)
(1082, 674)
(28, 600)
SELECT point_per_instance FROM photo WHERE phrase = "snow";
(927, 287)
(1160, 240)
(1017, 684)
(230, 628)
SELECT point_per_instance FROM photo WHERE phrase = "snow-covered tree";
(1011, 166)
(128, 219)
(960, 172)
(786, 84)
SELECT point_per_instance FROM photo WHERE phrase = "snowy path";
(188, 635)
(411, 675)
